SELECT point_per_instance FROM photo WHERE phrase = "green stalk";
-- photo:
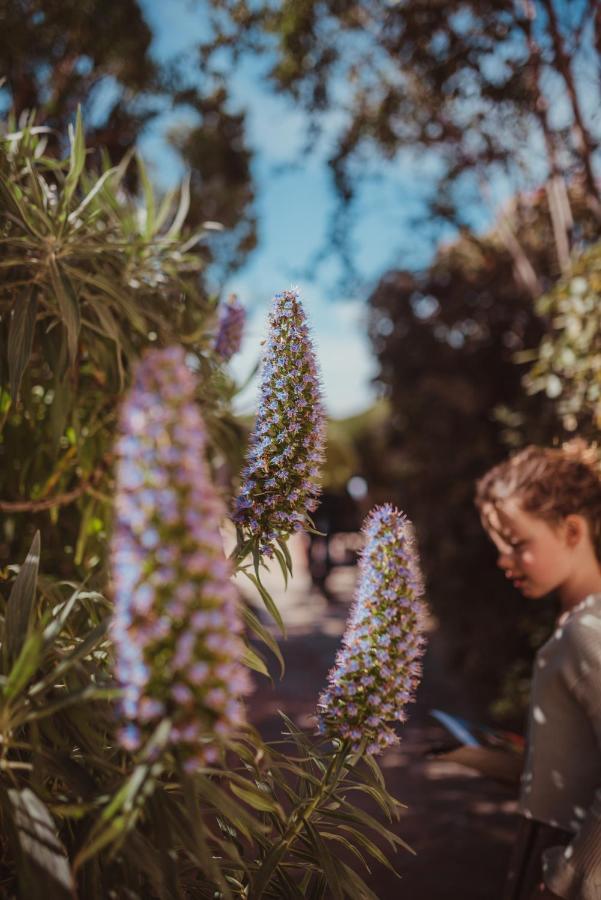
(299, 819)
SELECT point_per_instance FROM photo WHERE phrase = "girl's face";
(536, 556)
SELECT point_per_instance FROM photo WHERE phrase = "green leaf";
(149, 203)
(255, 662)
(386, 803)
(267, 600)
(20, 605)
(253, 622)
(331, 836)
(42, 866)
(327, 862)
(282, 561)
(88, 694)
(228, 807)
(76, 214)
(81, 650)
(68, 305)
(262, 877)
(109, 326)
(20, 339)
(59, 619)
(257, 799)
(182, 212)
(121, 813)
(354, 816)
(25, 665)
(284, 547)
(361, 838)
(354, 886)
(298, 736)
(76, 160)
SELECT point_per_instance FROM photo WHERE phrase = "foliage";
(568, 361)
(92, 278)
(467, 85)
(140, 824)
(89, 278)
(60, 55)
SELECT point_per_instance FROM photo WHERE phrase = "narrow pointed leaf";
(20, 339)
(68, 305)
(20, 605)
(261, 632)
(43, 869)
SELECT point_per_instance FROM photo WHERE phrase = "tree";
(58, 56)
(567, 363)
(88, 281)
(476, 85)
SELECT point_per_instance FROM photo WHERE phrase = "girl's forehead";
(506, 520)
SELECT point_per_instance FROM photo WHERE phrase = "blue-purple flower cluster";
(378, 667)
(176, 627)
(231, 329)
(281, 479)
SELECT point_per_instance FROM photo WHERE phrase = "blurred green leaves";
(567, 363)
(91, 275)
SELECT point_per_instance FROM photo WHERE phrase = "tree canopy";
(58, 56)
(499, 89)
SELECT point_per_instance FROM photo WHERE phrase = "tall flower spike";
(377, 668)
(176, 627)
(281, 477)
(231, 329)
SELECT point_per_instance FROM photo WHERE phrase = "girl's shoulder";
(578, 638)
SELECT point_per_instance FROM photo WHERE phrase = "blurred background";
(427, 173)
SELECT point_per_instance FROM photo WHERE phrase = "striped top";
(561, 783)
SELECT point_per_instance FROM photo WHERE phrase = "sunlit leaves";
(567, 363)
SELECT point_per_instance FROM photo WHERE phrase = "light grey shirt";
(561, 783)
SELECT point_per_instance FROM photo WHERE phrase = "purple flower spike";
(280, 482)
(378, 666)
(231, 329)
(176, 627)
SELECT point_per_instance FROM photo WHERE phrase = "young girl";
(542, 509)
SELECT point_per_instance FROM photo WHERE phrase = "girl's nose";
(504, 561)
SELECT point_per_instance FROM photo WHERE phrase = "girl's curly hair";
(549, 482)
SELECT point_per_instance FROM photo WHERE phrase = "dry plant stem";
(51, 502)
(559, 202)
(292, 832)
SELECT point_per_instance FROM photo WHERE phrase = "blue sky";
(294, 203)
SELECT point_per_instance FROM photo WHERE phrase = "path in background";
(460, 825)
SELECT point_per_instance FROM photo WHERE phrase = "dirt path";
(460, 825)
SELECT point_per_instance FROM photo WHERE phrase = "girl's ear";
(576, 529)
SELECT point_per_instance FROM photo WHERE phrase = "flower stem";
(299, 818)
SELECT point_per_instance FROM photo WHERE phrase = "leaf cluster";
(568, 359)
(466, 83)
(80, 816)
(91, 276)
